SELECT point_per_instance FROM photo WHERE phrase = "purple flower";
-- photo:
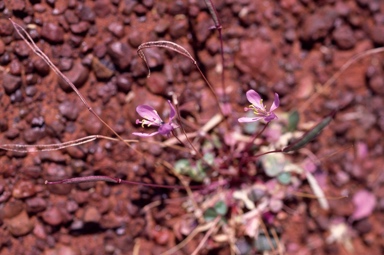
(259, 109)
(152, 118)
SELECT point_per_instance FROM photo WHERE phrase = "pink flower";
(152, 118)
(259, 109)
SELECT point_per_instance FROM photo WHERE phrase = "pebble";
(135, 38)
(71, 206)
(124, 82)
(36, 204)
(316, 26)
(179, 27)
(21, 49)
(71, 17)
(11, 209)
(80, 28)
(18, 5)
(19, 225)
(11, 83)
(256, 62)
(75, 152)
(155, 57)
(6, 27)
(52, 32)
(41, 66)
(65, 64)
(376, 83)
(161, 26)
(344, 37)
(100, 50)
(52, 216)
(177, 7)
(204, 23)
(102, 8)
(157, 83)
(91, 214)
(39, 231)
(60, 7)
(78, 75)
(377, 34)
(87, 14)
(23, 189)
(100, 70)
(15, 67)
(91, 125)
(121, 54)
(69, 110)
(117, 29)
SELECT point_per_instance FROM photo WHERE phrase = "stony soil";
(290, 47)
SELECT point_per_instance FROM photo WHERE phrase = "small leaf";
(284, 178)
(273, 164)
(293, 120)
(221, 208)
(310, 135)
(210, 214)
(182, 166)
(209, 157)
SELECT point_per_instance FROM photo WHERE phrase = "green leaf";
(284, 178)
(209, 157)
(210, 214)
(221, 208)
(293, 120)
(310, 135)
(273, 164)
(182, 166)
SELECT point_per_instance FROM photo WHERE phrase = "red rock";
(157, 83)
(11, 83)
(52, 216)
(121, 54)
(344, 37)
(78, 75)
(23, 189)
(91, 214)
(52, 32)
(19, 225)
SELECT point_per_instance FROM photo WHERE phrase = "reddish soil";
(290, 47)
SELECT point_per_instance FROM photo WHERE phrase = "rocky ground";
(291, 47)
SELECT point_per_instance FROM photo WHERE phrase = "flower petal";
(144, 134)
(276, 103)
(165, 129)
(172, 113)
(254, 98)
(249, 119)
(147, 112)
(270, 117)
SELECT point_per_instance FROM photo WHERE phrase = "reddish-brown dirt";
(291, 47)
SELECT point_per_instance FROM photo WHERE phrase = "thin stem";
(249, 145)
(219, 27)
(188, 140)
(76, 180)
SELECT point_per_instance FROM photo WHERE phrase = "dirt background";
(290, 47)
